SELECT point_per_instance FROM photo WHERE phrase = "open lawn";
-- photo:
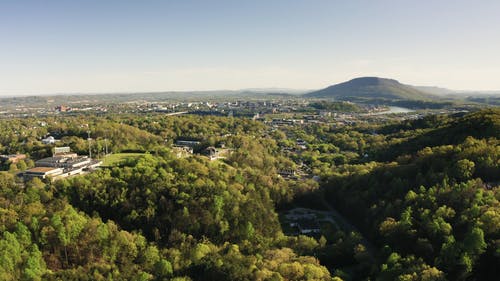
(117, 158)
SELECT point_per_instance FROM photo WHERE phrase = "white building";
(42, 172)
(49, 140)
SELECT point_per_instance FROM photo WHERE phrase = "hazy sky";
(131, 45)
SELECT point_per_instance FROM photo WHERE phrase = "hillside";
(438, 91)
(436, 205)
(371, 87)
(482, 124)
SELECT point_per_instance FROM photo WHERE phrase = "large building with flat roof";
(64, 163)
(42, 172)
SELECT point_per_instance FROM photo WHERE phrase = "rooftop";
(41, 169)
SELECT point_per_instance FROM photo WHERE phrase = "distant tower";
(89, 139)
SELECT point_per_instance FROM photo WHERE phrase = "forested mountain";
(395, 200)
(436, 204)
(371, 87)
(437, 131)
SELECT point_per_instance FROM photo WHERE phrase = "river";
(394, 109)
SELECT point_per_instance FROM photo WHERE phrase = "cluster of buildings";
(63, 163)
(224, 107)
(286, 122)
(185, 148)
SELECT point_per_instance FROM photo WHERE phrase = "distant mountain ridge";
(372, 87)
(439, 91)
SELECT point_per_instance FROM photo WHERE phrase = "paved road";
(348, 227)
(333, 216)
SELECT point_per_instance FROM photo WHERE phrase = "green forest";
(403, 199)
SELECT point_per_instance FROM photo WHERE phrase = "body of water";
(395, 109)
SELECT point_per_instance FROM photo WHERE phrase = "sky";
(97, 46)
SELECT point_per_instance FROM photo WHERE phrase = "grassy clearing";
(117, 158)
